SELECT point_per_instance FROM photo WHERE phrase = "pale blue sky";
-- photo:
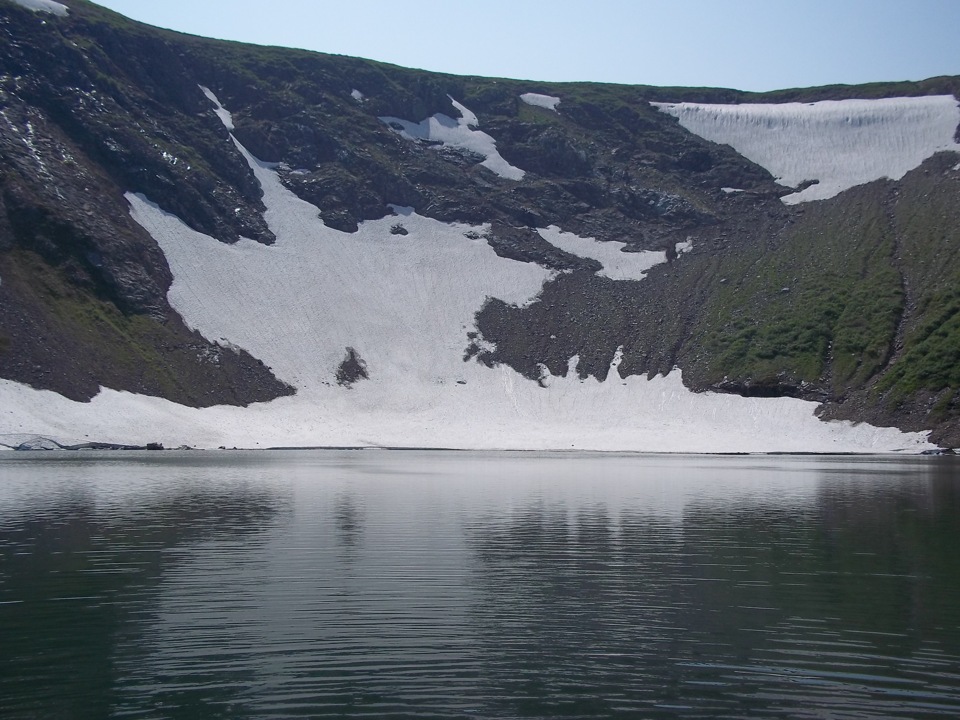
(745, 44)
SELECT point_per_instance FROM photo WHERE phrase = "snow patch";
(838, 143)
(460, 134)
(467, 116)
(225, 117)
(545, 101)
(617, 265)
(47, 6)
(729, 190)
(357, 95)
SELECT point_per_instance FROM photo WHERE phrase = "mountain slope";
(212, 223)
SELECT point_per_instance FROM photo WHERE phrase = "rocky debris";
(546, 150)
(778, 385)
(920, 411)
(34, 443)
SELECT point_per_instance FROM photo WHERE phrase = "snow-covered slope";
(838, 143)
(48, 6)
(405, 304)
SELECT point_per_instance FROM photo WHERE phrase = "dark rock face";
(93, 106)
(352, 369)
(579, 313)
(90, 111)
(526, 245)
(848, 332)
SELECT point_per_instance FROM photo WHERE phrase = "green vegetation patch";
(932, 360)
(819, 306)
(927, 217)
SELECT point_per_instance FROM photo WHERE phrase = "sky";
(744, 44)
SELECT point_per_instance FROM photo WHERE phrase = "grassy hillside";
(819, 306)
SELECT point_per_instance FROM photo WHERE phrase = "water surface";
(451, 585)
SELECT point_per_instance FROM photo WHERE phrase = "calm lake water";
(478, 585)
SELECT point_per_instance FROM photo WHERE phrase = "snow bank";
(617, 265)
(47, 6)
(545, 101)
(457, 134)
(496, 409)
(406, 304)
(840, 143)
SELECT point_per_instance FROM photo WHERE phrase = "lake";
(277, 584)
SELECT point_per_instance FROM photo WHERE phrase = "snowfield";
(460, 134)
(537, 100)
(405, 304)
(617, 265)
(47, 6)
(839, 143)
(225, 117)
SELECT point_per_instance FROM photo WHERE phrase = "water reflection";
(80, 557)
(479, 585)
(842, 605)
(349, 519)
